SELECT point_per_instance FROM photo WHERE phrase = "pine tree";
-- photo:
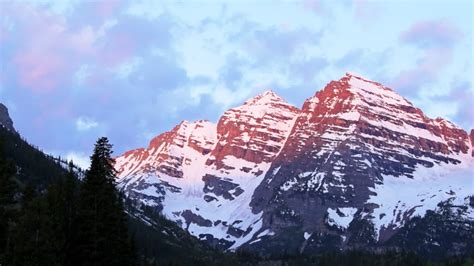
(43, 230)
(33, 244)
(61, 201)
(101, 233)
(7, 200)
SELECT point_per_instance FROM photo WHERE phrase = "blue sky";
(72, 71)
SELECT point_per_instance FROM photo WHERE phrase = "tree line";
(70, 221)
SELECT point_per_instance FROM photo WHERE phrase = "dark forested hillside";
(38, 209)
(33, 166)
(51, 217)
(162, 242)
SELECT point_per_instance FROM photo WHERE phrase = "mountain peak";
(264, 98)
(357, 76)
(368, 90)
(358, 81)
(353, 90)
(353, 74)
(269, 92)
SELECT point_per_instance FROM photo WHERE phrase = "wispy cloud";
(316, 6)
(86, 123)
(428, 34)
(436, 41)
(48, 48)
(78, 158)
(461, 96)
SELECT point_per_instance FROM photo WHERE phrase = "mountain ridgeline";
(356, 176)
(356, 167)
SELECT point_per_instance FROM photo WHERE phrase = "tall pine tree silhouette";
(101, 236)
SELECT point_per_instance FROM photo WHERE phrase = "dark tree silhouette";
(101, 234)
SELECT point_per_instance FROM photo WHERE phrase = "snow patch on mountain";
(401, 198)
(341, 217)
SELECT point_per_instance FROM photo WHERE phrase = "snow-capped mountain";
(359, 151)
(203, 175)
(357, 157)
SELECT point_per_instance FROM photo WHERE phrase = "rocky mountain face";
(471, 136)
(351, 168)
(5, 119)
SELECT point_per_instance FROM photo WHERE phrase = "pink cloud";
(119, 48)
(51, 110)
(4, 33)
(435, 39)
(49, 49)
(39, 71)
(366, 10)
(108, 7)
(83, 41)
(429, 66)
(315, 6)
(431, 33)
(463, 94)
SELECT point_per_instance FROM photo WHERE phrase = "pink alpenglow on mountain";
(268, 167)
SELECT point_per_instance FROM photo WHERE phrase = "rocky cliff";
(5, 119)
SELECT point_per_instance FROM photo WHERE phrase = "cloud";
(86, 123)
(72, 67)
(272, 44)
(79, 159)
(305, 70)
(47, 50)
(130, 37)
(352, 57)
(40, 72)
(265, 57)
(461, 95)
(435, 41)
(366, 11)
(231, 74)
(428, 34)
(315, 5)
(107, 8)
(426, 71)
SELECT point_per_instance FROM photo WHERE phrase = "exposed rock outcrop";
(5, 119)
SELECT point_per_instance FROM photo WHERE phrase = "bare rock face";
(255, 131)
(5, 119)
(349, 169)
(471, 136)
